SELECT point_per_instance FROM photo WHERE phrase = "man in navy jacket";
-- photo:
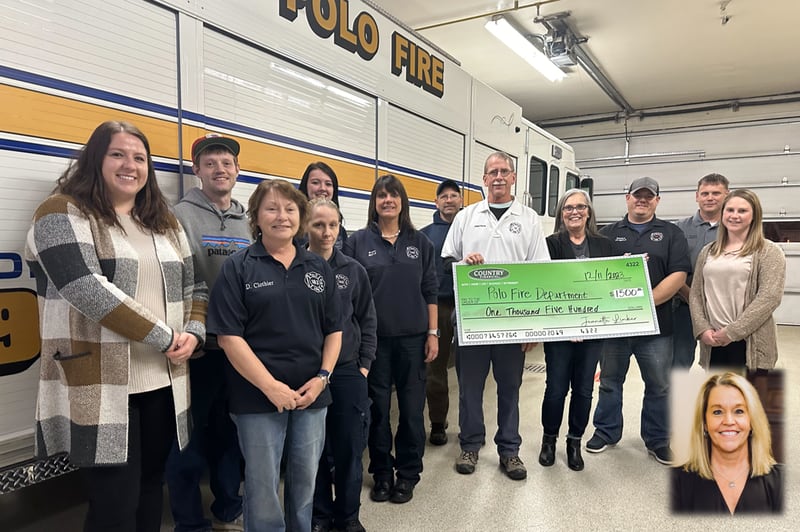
(448, 203)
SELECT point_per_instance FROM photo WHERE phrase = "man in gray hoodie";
(216, 226)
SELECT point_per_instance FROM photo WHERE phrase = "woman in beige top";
(738, 283)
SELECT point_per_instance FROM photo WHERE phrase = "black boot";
(574, 460)
(547, 456)
(438, 434)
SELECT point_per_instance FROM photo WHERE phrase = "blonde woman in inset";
(730, 468)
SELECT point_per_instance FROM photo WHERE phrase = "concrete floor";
(620, 489)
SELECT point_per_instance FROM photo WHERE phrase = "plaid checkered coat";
(86, 274)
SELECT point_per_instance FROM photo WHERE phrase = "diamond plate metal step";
(33, 472)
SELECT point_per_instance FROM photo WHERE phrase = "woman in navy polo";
(400, 263)
(348, 416)
(275, 312)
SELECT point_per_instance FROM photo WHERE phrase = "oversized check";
(552, 301)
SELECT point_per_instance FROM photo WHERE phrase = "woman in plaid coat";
(119, 316)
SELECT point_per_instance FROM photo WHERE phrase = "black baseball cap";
(448, 183)
(213, 139)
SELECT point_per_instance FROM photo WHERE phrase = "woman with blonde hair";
(347, 423)
(738, 284)
(730, 468)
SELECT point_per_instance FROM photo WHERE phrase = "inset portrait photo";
(727, 438)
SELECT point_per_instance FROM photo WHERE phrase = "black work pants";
(400, 361)
(129, 497)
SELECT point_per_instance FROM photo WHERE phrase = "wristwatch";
(325, 376)
(434, 332)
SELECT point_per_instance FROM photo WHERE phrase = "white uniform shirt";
(517, 236)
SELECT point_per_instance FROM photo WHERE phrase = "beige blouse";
(725, 287)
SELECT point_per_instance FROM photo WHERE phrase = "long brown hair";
(390, 184)
(755, 240)
(325, 169)
(83, 181)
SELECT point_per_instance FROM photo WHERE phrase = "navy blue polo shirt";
(284, 315)
(359, 321)
(403, 278)
(668, 253)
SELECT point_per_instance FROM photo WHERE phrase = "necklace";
(732, 481)
(389, 237)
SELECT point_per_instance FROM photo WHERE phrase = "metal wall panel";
(250, 87)
(35, 178)
(261, 23)
(759, 154)
(129, 48)
(752, 155)
(421, 148)
(787, 313)
(496, 121)
(417, 143)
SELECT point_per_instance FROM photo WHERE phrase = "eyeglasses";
(498, 171)
(573, 208)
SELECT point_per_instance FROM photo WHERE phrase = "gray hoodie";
(213, 235)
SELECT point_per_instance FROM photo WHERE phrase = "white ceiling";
(656, 52)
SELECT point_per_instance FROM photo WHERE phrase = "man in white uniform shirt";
(496, 230)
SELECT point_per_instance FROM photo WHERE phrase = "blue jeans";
(654, 357)
(472, 367)
(347, 426)
(569, 364)
(684, 343)
(263, 438)
(399, 360)
(213, 447)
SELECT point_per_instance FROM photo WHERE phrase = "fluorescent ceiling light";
(500, 28)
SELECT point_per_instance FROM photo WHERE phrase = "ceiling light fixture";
(519, 44)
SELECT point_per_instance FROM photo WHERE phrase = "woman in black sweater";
(573, 363)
